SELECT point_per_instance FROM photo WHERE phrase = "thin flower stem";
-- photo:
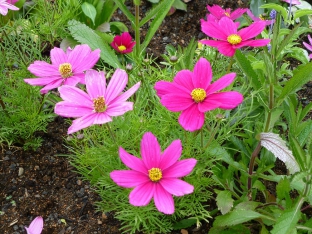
(201, 138)
(251, 167)
(230, 65)
(111, 133)
(3, 107)
(41, 103)
(137, 30)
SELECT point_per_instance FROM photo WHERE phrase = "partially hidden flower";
(292, 2)
(193, 94)
(229, 38)
(99, 104)
(309, 46)
(156, 175)
(218, 12)
(123, 43)
(67, 68)
(260, 18)
(5, 6)
(35, 226)
(12, 1)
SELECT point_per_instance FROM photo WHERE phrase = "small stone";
(20, 171)
(37, 195)
(79, 182)
(99, 222)
(12, 166)
(6, 158)
(15, 227)
(8, 152)
(104, 216)
(36, 168)
(183, 231)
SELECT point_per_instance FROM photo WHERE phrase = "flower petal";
(224, 47)
(132, 162)
(254, 43)
(124, 96)
(180, 168)
(142, 194)
(117, 83)
(95, 83)
(171, 155)
(221, 83)
(163, 200)
(209, 104)
(150, 151)
(119, 108)
(72, 110)
(128, 178)
(252, 30)
(192, 119)
(35, 226)
(202, 74)
(214, 30)
(44, 69)
(82, 58)
(176, 187)
(177, 101)
(228, 100)
(184, 81)
(54, 84)
(75, 95)
(58, 56)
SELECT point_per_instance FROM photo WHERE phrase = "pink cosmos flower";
(99, 104)
(229, 38)
(309, 46)
(5, 6)
(192, 93)
(260, 18)
(66, 68)
(35, 226)
(293, 2)
(218, 12)
(123, 43)
(156, 175)
(12, 1)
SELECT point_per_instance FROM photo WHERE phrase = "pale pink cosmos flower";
(35, 226)
(229, 38)
(67, 68)
(218, 12)
(99, 104)
(5, 6)
(193, 94)
(309, 46)
(156, 175)
(260, 18)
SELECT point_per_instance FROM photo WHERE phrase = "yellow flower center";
(155, 174)
(66, 70)
(122, 48)
(227, 14)
(234, 39)
(198, 95)
(99, 104)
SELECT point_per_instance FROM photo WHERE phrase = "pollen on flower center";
(227, 14)
(99, 104)
(155, 174)
(234, 39)
(122, 48)
(198, 95)
(66, 70)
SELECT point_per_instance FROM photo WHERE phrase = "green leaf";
(236, 217)
(286, 223)
(255, 7)
(86, 35)
(125, 10)
(298, 152)
(301, 76)
(185, 223)
(246, 67)
(178, 4)
(224, 201)
(276, 7)
(89, 10)
(302, 12)
(163, 10)
(283, 188)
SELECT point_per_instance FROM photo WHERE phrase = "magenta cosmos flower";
(309, 46)
(123, 43)
(5, 6)
(229, 38)
(66, 68)
(35, 226)
(156, 175)
(99, 104)
(218, 12)
(192, 93)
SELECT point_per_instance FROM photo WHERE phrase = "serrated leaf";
(86, 35)
(89, 10)
(236, 217)
(224, 201)
(277, 146)
(286, 223)
(283, 188)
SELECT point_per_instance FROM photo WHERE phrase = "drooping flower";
(193, 94)
(292, 2)
(260, 18)
(35, 226)
(309, 46)
(218, 12)
(229, 38)
(156, 175)
(66, 68)
(123, 43)
(5, 6)
(99, 104)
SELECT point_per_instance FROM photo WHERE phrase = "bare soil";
(43, 183)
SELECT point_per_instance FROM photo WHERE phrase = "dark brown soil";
(47, 184)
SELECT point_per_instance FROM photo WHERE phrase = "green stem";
(230, 65)
(251, 167)
(41, 103)
(111, 133)
(137, 30)
(3, 107)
